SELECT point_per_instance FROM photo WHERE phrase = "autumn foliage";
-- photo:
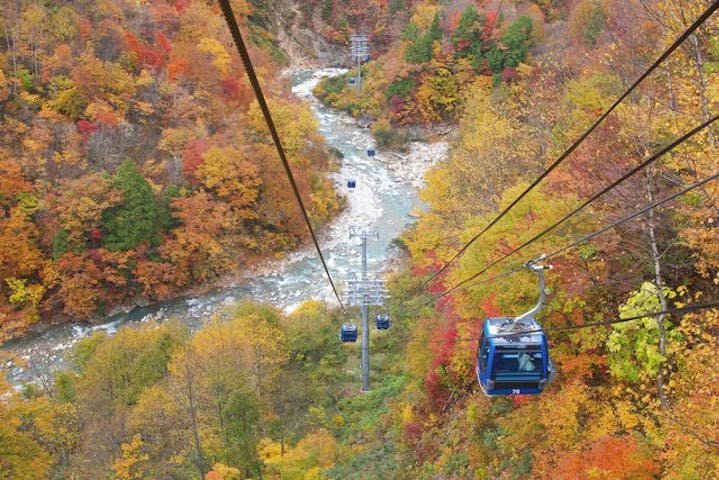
(124, 172)
(522, 88)
(130, 164)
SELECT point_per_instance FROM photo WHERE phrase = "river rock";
(124, 308)
(409, 167)
(307, 48)
(364, 121)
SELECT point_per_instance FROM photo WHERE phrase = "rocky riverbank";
(386, 194)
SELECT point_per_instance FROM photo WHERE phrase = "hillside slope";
(258, 393)
(628, 397)
(123, 125)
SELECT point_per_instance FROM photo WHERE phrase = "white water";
(387, 186)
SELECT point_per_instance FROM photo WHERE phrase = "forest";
(125, 176)
(135, 161)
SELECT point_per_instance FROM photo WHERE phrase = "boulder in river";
(364, 121)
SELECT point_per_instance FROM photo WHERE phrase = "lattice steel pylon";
(365, 289)
(359, 51)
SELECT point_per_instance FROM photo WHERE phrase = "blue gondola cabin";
(348, 333)
(382, 321)
(371, 152)
(512, 362)
(351, 183)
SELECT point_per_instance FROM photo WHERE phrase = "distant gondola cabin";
(511, 363)
(351, 183)
(371, 152)
(382, 321)
(348, 332)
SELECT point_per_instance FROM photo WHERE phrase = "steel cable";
(244, 54)
(698, 22)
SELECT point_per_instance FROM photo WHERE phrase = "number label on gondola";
(516, 391)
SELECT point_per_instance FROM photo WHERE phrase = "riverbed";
(386, 191)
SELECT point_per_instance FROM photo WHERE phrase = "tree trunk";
(12, 43)
(186, 397)
(658, 281)
(701, 83)
(196, 432)
(282, 440)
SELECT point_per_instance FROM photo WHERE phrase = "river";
(386, 191)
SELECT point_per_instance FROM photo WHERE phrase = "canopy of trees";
(259, 393)
(620, 407)
(133, 160)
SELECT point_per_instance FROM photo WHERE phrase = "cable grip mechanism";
(516, 323)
